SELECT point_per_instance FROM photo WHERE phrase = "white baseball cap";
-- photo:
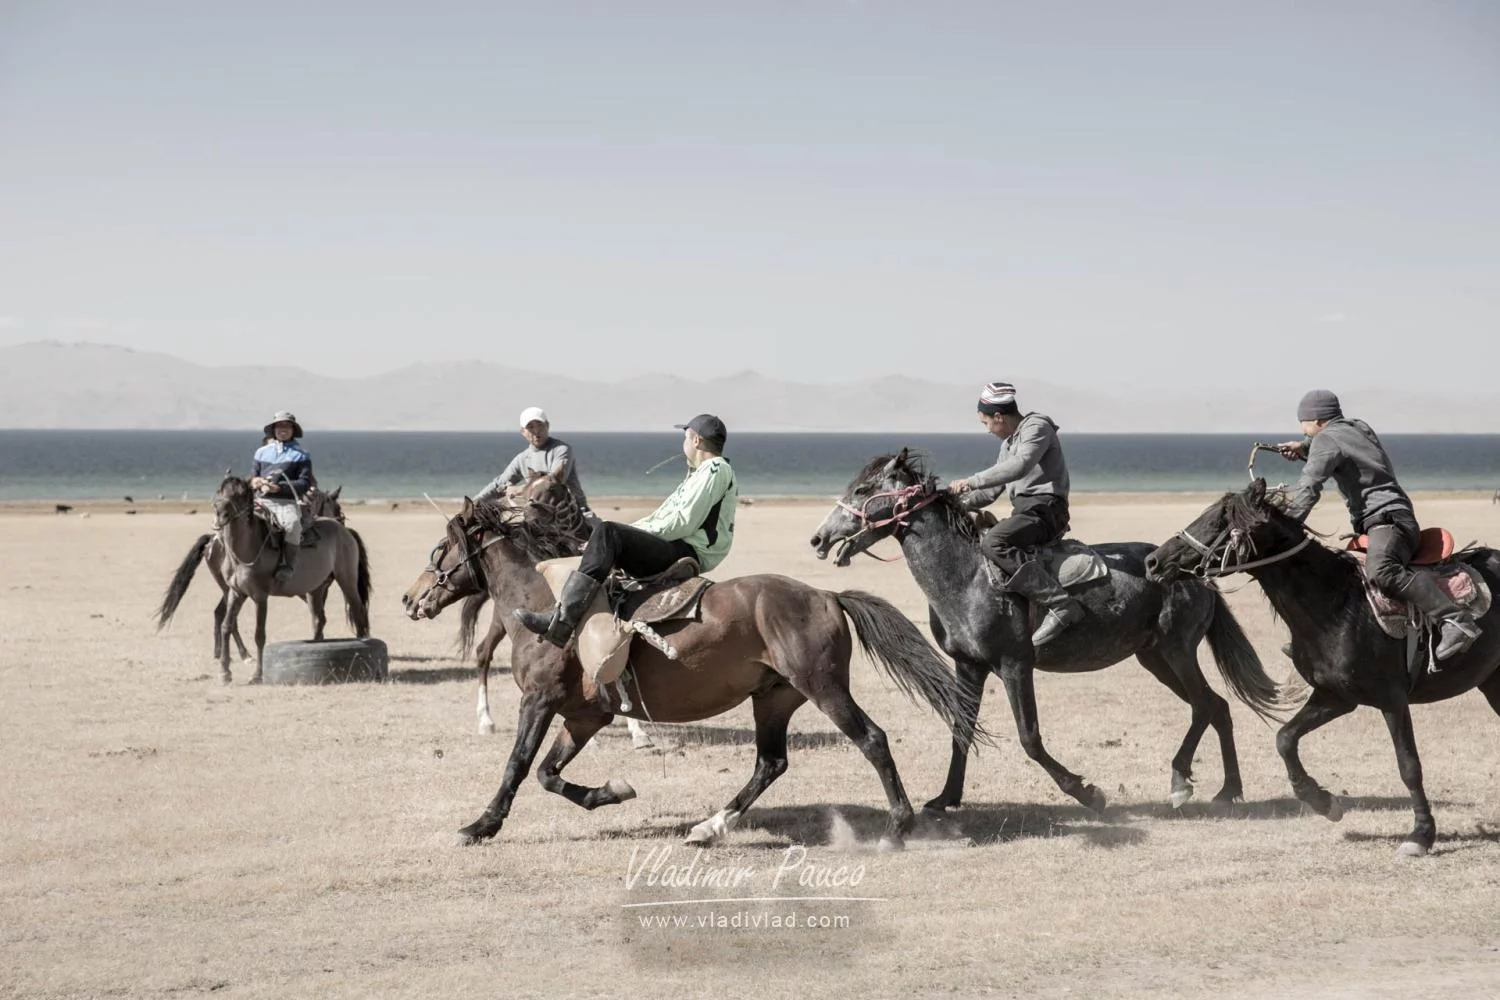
(533, 413)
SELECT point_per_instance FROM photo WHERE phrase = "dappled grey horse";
(986, 630)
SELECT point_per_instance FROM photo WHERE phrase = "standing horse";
(248, 565)
(319, 505)
(771, 639)
(1337, 646)
(987, 631)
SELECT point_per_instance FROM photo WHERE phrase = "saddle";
(1071, 563)
(1435, 546)
(311, 533)
(1458, 579)
(625, 609)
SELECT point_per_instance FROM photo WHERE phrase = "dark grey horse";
(986, 630)
(1337, 646)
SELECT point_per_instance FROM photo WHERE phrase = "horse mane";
(536, 529)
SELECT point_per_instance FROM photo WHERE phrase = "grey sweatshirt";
(1030, 464)
(1348, 452)
(553, 454)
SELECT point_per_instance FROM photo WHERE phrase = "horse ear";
(468, 510)
(899, 462)
(1257, 492)
(335, 494)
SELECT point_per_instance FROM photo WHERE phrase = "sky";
(1147, 194)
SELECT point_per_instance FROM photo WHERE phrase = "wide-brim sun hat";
(283, 417)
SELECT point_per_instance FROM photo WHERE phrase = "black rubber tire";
(332, 661)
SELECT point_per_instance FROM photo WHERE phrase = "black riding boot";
(558, 625)
(1459, 627)
(1033, 582)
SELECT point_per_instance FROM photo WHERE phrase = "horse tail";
(1240, 664)
(468, 621)
(910, 661)
(180, 580)
(362, 577)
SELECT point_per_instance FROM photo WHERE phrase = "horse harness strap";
(1229, 543)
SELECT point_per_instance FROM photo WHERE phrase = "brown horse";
(320, 505)
(249, 562)
(768, 638)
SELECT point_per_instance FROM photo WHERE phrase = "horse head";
(877, 504)
(1234, 529)
(234, 499)
(451, 573)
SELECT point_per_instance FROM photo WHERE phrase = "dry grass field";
(164, 835)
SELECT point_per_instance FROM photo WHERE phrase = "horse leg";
(839, 705)
(317, 603)
(483, 654)
(260, 636)
(1022, 693)
(231, 613)
(1424, 832)
(1322, 708)
(574, 735)
(1181, 675)
(971, 677)
(219, 623)
(536, 717)
(773, 713)
(640, 739)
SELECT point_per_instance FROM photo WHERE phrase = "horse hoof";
(472, 834)
(1411, 849)
(700, 835)
(640, 741)
(937, 808)
(1096, 800)
(890, 843)
(1335, 809)
(254, 680)
(1181, 797)
(619, 789)
(487, 728)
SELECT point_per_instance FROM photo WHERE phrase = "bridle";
(900, 513)
(440, 577)
(1229, 549)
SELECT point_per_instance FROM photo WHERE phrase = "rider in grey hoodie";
(1348, 452)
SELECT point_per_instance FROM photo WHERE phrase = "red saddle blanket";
(1435, 546)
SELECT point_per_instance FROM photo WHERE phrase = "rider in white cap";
(544, 455)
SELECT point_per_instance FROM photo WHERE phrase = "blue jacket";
(274, 460)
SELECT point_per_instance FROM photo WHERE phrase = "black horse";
(1337, 646)
(987, 631)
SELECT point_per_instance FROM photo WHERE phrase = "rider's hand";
(1292, 449)
(959, 486)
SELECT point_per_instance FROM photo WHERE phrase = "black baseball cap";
(709, 427)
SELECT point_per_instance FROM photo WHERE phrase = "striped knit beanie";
(997, 397)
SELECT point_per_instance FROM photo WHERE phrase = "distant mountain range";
(80, 385)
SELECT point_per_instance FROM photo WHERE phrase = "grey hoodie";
(1348, 452)
(1031, 464)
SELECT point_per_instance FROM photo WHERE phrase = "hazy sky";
(1266, 193)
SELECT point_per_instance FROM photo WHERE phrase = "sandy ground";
(162, 834)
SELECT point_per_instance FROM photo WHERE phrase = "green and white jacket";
(700, 512)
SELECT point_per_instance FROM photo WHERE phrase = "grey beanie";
(1319, 404)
